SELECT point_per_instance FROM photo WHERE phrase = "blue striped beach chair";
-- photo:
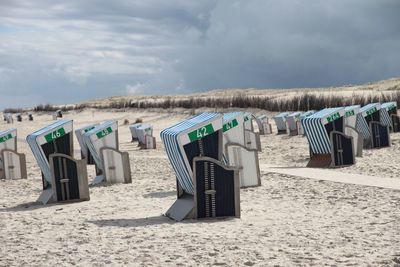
(302, 116)
(329, 146)
(237, 153)
(63, 178)
(389, 116)
(205, 186)
(368, 123)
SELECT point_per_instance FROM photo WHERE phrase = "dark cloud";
(65, 52)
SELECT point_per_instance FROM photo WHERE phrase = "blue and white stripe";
(314, 128)
(174, 146)
(384, 113)
(361, 124)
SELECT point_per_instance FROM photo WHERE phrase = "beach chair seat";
(380, 136)
(216, 189)
(116, 165)
(246, 160)
(14, 164)
(68, 178)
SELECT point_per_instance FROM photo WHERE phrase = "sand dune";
(287, 221)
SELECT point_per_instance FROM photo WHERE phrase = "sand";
(287, 221)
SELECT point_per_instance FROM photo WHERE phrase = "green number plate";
(372, 110)
(333, 117)
(104, 132)
(246, 118)
(229, 125)
(5, 138)
(201, 132)
(54, 135)
(349, 113)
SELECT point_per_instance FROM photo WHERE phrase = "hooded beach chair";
(302, 116)
(85, 153)
(280, 121)
(9, 118)
(63, 177)
(389, 116)
(329, 146)
(145, 136)
(113, 165)
(291, 123)
(12, 163)
(368, 123)
(236, 153)
(263, 125)
(19, 117)
(252, 139)
(350, 122)
(206, 187)
(30, 117)
(132, 128)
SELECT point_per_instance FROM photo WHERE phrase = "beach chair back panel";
(116, 166)
(206, 146)
(342, 149)
(379, 135)
(69, 178)
(14, 164)
(216, 190)
(247, 162)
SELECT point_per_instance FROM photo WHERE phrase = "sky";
(69, 51)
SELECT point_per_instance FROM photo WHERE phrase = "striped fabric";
(36, 139)
(314, 128)
(384, 113)
(361, 124)
(103, 135)
(171, 138)
(280, 120)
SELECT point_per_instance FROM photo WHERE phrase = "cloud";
(71, 51)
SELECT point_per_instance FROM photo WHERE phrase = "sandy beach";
(288, 221)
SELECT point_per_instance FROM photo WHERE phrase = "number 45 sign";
(201, 132)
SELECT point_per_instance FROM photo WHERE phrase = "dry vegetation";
(271, 100)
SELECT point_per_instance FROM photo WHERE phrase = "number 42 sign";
(201, 132)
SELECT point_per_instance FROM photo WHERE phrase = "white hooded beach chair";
(291, 123)
(63, 178)
(133, 128)
(236, 153)
(350, 121)
(329, 146)
(12, 163)
(85, 152)
(302, 116)
(206, 187)
(9, 118)
(368, 123)
(252, 139)
(280, 121)
(263, 125)
(389, 116)
(145, 136)
(102, 142)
